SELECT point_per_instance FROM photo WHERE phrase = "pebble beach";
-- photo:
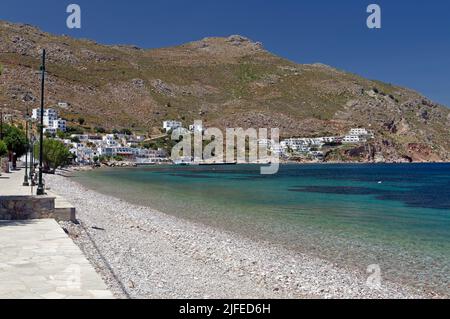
(144, 253)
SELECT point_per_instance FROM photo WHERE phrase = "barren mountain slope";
(226, 82)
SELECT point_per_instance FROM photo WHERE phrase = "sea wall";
(31, 207)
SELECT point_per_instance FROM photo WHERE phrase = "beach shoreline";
(144, 253)
(84, 168)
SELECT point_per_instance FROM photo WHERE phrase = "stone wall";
(27, 207)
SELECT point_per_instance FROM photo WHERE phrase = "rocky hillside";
(226, 82)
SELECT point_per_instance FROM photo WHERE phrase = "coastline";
(132, 165)
(144, 253)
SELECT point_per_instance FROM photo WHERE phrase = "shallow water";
(396, 216)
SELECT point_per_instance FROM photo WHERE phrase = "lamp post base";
(40, 190)
(25, 180)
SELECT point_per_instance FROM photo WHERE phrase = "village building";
(171, 125)
(52, 123)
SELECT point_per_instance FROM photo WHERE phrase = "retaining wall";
(32, 207)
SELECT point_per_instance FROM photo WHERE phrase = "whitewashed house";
(332, 139)
(196, 128)
(63, 105)
(358, 131)
(108, 140)
(49, 130)
(81, 137)
(50, 114)
(58, 125)
(52, 123)
(351, 139)
(278, 149)
(171, 125)
(358, 135)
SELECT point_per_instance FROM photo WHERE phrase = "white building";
(109, 140)
(317, 154)
(81, 137)
(116, 151)
(171, 125)
(51, 121)
(265, 143)
(133, 141)
(147, 157)
(7, 117)
(278, 149)
(49, 130)
(50, 114)
(196, 128)
(59, 125)
(351, 139)
(358, 131)
(84, 155)
(63, 105)
(332, 139)
(300, 145)
(358, 135)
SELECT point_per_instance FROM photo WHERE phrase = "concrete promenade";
(38, 259)
(11, 184)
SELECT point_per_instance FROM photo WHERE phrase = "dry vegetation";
(223, 81)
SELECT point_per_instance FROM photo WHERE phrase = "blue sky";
(412, 48)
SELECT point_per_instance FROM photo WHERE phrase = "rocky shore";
(143, 253)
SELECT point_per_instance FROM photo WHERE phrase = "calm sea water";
(396, 216)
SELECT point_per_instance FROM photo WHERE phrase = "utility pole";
(40, 188)
(25, 178)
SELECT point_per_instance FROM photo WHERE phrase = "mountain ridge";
(224, 81)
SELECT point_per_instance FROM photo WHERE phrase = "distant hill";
(226, 82)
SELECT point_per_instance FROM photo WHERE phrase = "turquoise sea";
(396, 216)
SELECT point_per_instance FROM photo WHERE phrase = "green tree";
(61, 135)
(100, 130)
(55, 154)
(75, 139)
(16, 142)
(3, 149)
(126, 131)
(104, 158)
(4, 128)
(118, 158)
(48, 134)
(74, 130)
(165, 143)
(81, 121)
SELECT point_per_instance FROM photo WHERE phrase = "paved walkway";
(38, 260)
(11, 184)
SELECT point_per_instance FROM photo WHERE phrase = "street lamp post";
(30, 178)
(40, 188)
(25, 178)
